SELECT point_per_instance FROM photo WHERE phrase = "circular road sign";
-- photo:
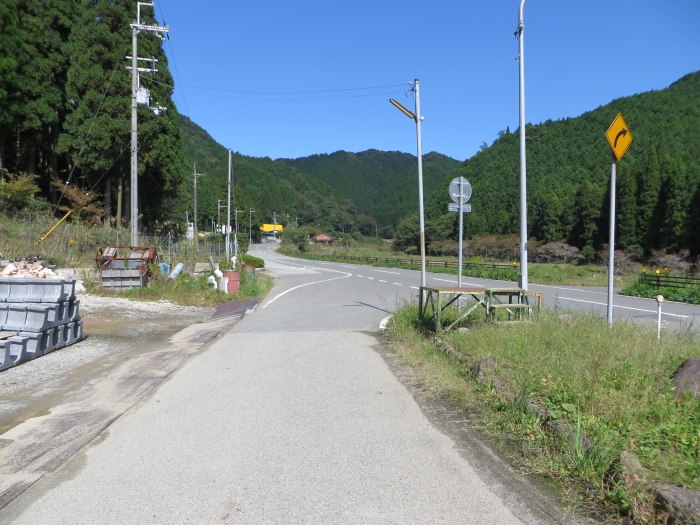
(466, 190)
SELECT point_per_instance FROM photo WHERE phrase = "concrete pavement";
(279, 425)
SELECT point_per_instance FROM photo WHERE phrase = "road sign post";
(619, 137)
(460, 193)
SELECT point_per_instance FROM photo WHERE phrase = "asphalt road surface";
(294, 416)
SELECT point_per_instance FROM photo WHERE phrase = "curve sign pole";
(619, 137)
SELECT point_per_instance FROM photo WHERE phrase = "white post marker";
(659, 299)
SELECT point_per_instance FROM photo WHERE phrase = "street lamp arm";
(403, 110)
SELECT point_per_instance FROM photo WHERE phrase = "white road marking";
(414, 287)
(386, 271)
(308, 284)
(397, 284)
(623, 307)
(381, 280)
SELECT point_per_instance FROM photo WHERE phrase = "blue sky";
(294, 78)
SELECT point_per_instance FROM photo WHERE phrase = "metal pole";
(416, 87)
(134, 139)
(461, 234)
(523, 168)
(658, 320)
(228, 213)
(194, 176)
(611, 246)
(250, 226)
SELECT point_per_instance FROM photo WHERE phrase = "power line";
(309, 92)
(177, 72)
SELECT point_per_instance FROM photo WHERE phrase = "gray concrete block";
(59, 313)
(19, 289)
(4, 289)
(73, 310)
(3, 314)
(60, 336)
(5, 356)
(35, 343)
(50, 340)
(35, 291)
(69, 289)
(18, 349)
(71, 335)
(39, 317)
(79, 332)
(55, 290)
(16, 317)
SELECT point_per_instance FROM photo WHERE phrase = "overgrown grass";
(610, 384)
(686, 294)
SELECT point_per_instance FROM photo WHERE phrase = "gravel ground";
(116, 329)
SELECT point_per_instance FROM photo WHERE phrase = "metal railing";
(669, 281)
(429, 262)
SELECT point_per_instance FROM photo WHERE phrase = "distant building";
(323, 238)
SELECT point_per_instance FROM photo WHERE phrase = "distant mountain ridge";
(382, 184)
(328, 190)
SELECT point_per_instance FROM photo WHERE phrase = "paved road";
(398, 286)
(290, 417)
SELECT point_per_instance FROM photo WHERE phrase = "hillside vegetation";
(568, 173)
(382, 184)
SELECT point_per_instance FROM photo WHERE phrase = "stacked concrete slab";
(37, 316)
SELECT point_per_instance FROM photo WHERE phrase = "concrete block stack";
(37, 316)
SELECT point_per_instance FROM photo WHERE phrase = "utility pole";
(250, 226)
(195, 176)
(274, 217)
(228, 213)
(136, 28)
(237, 211)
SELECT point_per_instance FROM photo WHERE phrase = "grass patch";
(610, 384)
(188, 290)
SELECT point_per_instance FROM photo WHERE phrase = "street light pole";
(523, 167)
(415, 87)
(228, 213)
(195, 176)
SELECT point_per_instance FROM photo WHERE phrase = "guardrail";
(669, 281)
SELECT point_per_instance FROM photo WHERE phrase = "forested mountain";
(65, 97)
(382, 184)
(568, 173)
(268, 187)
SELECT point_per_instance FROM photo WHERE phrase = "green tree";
(44, 29)
(676, 207)
(649, 189)
(626, 210)
(587, 207)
